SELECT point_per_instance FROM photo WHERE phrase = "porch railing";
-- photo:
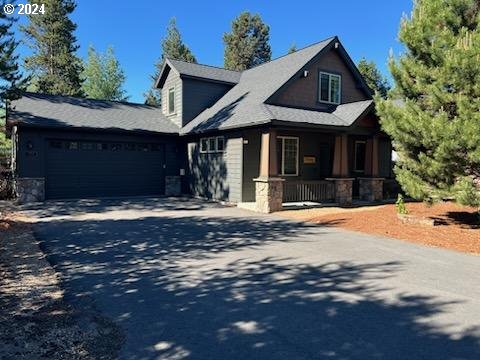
(318, 191)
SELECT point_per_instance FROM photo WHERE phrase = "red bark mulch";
(458, 226)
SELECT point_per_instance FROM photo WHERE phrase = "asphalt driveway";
(186, 279)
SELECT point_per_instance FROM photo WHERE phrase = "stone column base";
(343, 190)
(173, 185)
(30, 190)
(371, 189)
(268, 194)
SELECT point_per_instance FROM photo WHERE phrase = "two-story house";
(300, 127)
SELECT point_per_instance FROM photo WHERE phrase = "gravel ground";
(35, 320)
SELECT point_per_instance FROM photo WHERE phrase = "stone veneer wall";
(173, 185)
(371, 189)
(30, 190)
(268, 194)
(343, 190)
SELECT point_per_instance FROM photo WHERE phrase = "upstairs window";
(329, 88)
(171, 101)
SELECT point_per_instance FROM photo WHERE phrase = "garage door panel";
(77, 169)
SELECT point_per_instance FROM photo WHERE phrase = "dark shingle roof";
(65, 111)
(246, 104)
(205, 71)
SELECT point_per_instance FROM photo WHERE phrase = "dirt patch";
(457, 226)
(35, 321)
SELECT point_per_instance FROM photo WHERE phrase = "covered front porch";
(320, 167)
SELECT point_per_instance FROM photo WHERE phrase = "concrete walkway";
(192, 280)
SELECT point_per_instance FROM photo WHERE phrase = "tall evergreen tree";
(374, 78)
(10, 76)
(103, 76)
(435, 126)
(247, 45)
(54, 63)
(174, 48)
(292, 48)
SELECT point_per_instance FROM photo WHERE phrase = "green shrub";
(400, 205)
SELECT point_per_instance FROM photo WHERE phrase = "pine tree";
(10, 76)
(292, 49)
(247, 45)
(54, 63)
(374, 78)
(103, 76)
(435, 122)
(174, 48)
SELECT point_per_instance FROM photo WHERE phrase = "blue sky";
(135, 28)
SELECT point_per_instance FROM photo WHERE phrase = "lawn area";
(456, 226)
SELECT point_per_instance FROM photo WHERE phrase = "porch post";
(268, 154)
(371, 188)
(268, 186)
(343, 184)
(340, 156)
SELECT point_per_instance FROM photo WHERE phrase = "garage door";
(81, 169)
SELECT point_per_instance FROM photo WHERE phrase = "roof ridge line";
(88, 99)
(285, 55)
(212, 66)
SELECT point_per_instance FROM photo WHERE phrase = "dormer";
(187, 89)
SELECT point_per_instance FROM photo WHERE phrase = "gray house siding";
(36, 159)
(251, 163)
(217, 176)
(173, 80)
(199, 95)
(303, 92)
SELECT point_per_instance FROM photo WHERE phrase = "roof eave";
(20, 124)
(208, 79)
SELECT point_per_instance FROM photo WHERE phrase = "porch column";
(371, 188)
(268, 186)
(340, 156)
(343, 184)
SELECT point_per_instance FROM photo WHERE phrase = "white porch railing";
(318, 191)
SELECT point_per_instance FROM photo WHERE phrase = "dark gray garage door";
(80, 169)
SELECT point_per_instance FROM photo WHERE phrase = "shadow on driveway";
(185, 288)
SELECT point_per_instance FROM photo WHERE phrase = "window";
(329, 88)
(171, 100)
(130, 147)
(212, 144)
(143, 147)
(220, 144)
(55, 144)
(87, 146)
(72, 145)
(360, 153)
(203, 145)
(288, 155)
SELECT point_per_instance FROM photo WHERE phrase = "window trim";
(355, 155)
(282, 165)
(329, 101)
(171, 90)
